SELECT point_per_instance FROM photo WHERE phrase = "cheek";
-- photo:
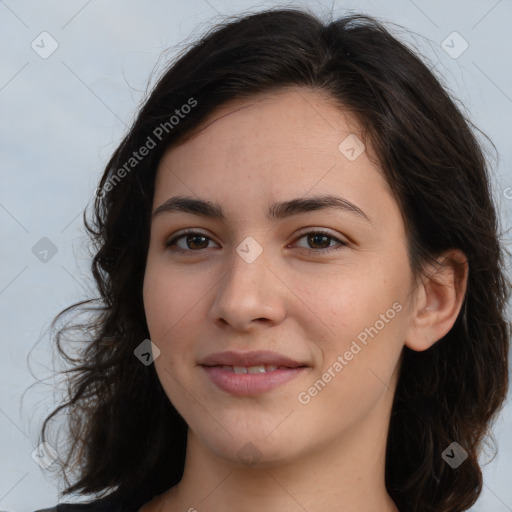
(162, 305)
(173, 303)
(166, 304)
(366, 313)
(154, 304)
(359, 363)
(352, 302)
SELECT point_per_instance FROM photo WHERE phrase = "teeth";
(251, 369)
(256, 369)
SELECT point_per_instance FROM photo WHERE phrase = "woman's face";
(336, 303)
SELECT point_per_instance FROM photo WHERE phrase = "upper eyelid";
(301, 232)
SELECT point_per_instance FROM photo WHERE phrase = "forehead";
(271, 147)
(296, 114)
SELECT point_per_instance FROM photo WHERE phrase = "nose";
(249, 294)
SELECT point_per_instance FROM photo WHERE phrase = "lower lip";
(246, 384)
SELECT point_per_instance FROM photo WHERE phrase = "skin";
(294, 299)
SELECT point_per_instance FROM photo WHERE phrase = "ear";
(438, 300)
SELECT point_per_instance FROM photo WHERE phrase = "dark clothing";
(101, 505)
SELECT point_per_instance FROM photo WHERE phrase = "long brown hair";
(430, 156)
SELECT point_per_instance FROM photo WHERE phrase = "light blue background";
(62, 117)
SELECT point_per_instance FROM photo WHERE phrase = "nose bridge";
(248, 272)
(249, 291)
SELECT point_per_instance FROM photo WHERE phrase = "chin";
(250, 448)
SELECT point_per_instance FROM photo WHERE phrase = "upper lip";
(254, 358)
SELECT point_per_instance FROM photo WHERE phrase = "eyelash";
(189, 231)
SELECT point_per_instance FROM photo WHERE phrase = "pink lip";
(246, 384)
(254, 358)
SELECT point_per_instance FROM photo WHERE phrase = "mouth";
(254, 369)
(249, 383)
(250, 373)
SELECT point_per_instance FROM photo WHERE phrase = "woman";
(302, 286)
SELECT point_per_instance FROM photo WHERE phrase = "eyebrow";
(276, 211)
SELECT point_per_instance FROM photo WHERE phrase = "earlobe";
(440, 296)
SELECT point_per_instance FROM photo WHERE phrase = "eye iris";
(194, 238)
(313, 239)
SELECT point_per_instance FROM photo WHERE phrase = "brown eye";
(320, 241)
(193, 242)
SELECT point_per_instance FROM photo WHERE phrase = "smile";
(250, 380)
